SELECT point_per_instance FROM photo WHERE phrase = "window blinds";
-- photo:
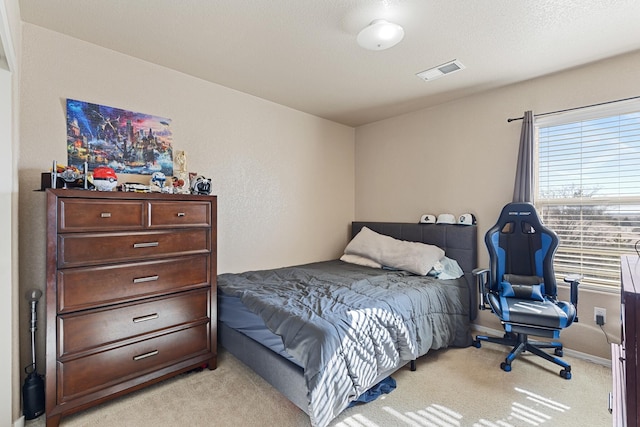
(588, 189)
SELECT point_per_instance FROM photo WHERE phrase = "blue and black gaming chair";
(520, 286)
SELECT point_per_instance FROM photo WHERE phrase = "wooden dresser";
(624, 356)
(131, 293)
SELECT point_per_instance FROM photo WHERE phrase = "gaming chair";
(520, 286)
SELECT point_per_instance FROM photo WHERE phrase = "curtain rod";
(575, 108)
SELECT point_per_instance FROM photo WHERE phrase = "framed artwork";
(126, 141)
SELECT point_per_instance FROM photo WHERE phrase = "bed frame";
(458, 241)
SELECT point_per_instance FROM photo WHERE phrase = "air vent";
(441, 70)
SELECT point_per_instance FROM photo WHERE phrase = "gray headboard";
(460, 242)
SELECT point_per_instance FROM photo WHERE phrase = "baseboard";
(19, 422)
(568, 351)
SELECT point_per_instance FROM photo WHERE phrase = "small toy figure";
(201, 185)
(134, 187)
(158, 180)
(104, 178)
(181, 178)
(62, 176)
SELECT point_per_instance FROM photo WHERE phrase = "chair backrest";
(520, 245)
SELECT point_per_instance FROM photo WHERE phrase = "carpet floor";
(451, 388)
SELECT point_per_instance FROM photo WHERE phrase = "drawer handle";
(105, 215)
(145, 318)
(610, 402)
(180, 214)
(144, 356)
(145, 245)
(145, 279)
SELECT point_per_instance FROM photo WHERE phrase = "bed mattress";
(233, 313)
(348, 326)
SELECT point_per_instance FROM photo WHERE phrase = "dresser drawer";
(92, 249)
(94, 215)
(96, 328)
(82, 288)
(105, 369)
(179, 214)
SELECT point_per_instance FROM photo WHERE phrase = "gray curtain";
(523, 188)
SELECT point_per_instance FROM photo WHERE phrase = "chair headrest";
(516, 212)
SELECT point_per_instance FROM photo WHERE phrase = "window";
(588, 188)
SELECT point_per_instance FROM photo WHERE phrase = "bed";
(324, 333)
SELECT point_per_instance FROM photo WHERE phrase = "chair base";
(520, 343)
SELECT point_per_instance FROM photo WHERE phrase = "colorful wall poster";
(127, 141)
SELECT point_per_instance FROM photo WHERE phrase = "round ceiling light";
(380, 34)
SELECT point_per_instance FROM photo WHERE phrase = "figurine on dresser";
(181, 183)
(104, 178)
(157, 183)
(201, 185)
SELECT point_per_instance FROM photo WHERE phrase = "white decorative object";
(157, 182)
(181, 183)
(104, 178)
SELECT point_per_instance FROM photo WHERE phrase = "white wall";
(7, 291)
(460, 157)
(9, 294)
(284, 179)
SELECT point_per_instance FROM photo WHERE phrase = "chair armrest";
(574, 280)
(482, 278)
(478, 271)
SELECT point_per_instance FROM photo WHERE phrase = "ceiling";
(303, 53)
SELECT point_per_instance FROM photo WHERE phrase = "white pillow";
(360, 260)
(446, 268)
(415, 257)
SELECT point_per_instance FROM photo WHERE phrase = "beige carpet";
(454, 387)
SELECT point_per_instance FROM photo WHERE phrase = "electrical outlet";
(599, 311)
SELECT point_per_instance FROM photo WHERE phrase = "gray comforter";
(351, 326)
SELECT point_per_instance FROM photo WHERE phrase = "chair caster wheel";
(565, 374)
(476, 343)
(558, 352)
(507, 367)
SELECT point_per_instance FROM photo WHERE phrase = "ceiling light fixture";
(380, 34)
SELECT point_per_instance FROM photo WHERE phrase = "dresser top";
(85, 194)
